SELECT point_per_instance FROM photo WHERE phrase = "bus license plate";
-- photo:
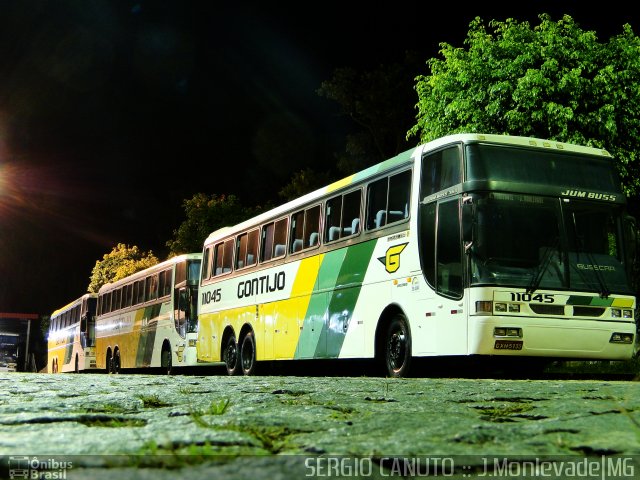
(508, 345)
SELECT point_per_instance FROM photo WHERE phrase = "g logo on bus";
(391, 260)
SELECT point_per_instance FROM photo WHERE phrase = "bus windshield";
(547, 243)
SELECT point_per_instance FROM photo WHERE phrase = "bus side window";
(227, 262)
(280, 238)
(266, 246)
(440, 170)
(399, 196)
(311, 226)
(332, 218)
(206, 262)
(252, 248)
(297, 232)
(377, 203)
(217, 259)
(350, 223)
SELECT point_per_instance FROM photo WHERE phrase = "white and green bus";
(148, 319)
(471, 244)
(71, 341)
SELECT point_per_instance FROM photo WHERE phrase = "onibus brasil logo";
(32, 468)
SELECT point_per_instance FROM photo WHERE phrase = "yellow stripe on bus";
(622, 302)
(291, 312)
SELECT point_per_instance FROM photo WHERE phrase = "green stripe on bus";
(344, 298)
(331, 308)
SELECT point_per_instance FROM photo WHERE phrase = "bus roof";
(515, 141)
(73, 303)
(402, 158)
(157, 267)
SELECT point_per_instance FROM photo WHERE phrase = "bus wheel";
(108, 366)
(115, 362)
(248, 354)
(166, 361)
(230, 355)
(77, 367)
(397, 348)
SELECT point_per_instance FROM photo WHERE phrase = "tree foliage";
(380, 103)
(303, 182)
(553, 80)
(122, 261)
(204, 214)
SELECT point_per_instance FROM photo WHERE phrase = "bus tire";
(230, 355)
(166, 360)
(115, 362)
(77, 366)
(396, 353)
(248, 354)
(108, 367)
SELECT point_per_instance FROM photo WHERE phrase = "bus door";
(182, 311)
(451, 310)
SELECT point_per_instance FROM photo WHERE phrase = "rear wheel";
(77, 367)
(248, 354)
(115, 362)
(166, 361)
(396, 354)
(230, 355)
(108, 363)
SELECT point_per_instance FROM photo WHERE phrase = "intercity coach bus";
(71, 342)
(471, 244)
(148, 319)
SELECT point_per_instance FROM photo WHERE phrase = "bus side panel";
(72, 338)
(148, 347)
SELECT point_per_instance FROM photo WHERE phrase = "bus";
(71, 342)
(149, 319)
(469, 245)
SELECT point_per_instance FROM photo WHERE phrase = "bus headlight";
(618, 337)
(507, 332)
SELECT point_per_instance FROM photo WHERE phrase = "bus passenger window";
(218, 258)
(377, 203)
(297, 231)
(241, 254)
(252, 248)
(332, 217)
(227, 262)
(266, 251)
(350, 223)
(311, 226)
(206, 262)
(399, 196)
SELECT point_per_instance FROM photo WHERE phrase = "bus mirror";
(467, 221)
(631, 233)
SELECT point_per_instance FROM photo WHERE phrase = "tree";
(380, 102)
(119, 263)
(553, 81)
(204, 214)
(303, 182)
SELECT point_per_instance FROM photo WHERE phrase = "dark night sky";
(112, 112)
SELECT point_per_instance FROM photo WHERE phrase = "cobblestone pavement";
(214, 426)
